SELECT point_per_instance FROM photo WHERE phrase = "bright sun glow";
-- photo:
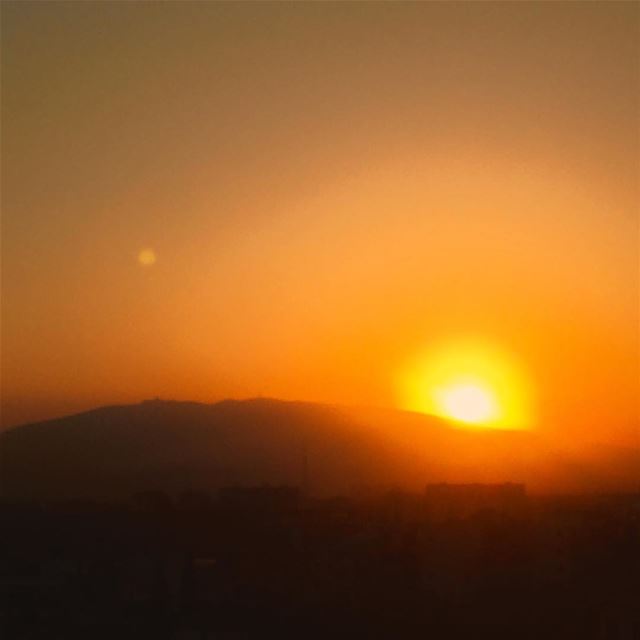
(467, 402)
(469, 383)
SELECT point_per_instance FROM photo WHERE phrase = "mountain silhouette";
(114, 451)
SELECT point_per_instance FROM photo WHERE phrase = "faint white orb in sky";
(147, 257)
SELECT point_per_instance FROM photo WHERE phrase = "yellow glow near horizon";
(468, 402)
(469, 383)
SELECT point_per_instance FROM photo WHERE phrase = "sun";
(469, 383)
(468, 402)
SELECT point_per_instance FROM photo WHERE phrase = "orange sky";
(328, 190)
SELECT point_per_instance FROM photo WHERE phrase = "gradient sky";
(328, 190)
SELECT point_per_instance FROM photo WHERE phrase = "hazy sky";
(323, 191)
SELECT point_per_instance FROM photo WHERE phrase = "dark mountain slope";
(115, 451)
(174, 445)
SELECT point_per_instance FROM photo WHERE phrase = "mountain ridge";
(173, 445)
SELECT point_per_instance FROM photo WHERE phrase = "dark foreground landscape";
(269, 519)
(458, 561)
